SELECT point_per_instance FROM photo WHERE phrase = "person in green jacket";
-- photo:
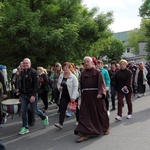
(106, 78)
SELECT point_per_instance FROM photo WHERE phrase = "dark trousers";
(31, 115)
(44, 97)
(0, 107)
(113, 94)
(120, 97)
(77, 112)
(107, 100)
(141, 87)
(62, 108)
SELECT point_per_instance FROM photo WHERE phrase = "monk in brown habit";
(93, 118)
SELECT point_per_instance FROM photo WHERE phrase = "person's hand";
(32, 99)
(99, 96)
(4, 96)
(107, 88)
(60, 89)
(125, 87)
(72, 100)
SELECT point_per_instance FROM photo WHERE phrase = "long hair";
(56, 71)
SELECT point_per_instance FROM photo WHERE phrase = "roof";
(122, 36)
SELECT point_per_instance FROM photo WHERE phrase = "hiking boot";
(23, 131)
(46, 122)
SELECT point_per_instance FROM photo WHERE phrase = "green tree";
(145, 13)
(50, 31)
(137, 35)
(113, 50)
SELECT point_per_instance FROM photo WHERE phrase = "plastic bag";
(72, 106)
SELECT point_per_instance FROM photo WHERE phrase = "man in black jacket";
(28, 89)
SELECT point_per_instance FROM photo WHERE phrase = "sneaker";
(23, 131)
(76, 123)
(1, 125)
(118, 118)
(58, 125)
(108, 112)
(4, 119)
(68, 114)
(45, 110)
(46, 122)
(113, 109)
(129, 116)
(51, 103)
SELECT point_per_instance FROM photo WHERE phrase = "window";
(128, 50)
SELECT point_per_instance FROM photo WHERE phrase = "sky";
(125, 12)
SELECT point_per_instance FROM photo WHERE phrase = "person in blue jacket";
(106, 78)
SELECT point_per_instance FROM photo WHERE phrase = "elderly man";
(28, 89)
(93, 117)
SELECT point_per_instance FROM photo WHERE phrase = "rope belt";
(89, 89)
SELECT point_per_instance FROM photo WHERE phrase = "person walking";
(141, 79)
(93, 117)
(112, 73)
(43, 87)
(28, 89)
(123, 86)
(68, 87)
(106, 77)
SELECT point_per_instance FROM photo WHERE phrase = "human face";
(58, 67)
(87, 63)
(99, 64)
(26, 63)
(66, 69)
(123, 65)
(39, 71)
(113, 66)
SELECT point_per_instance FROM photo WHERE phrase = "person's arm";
(107, 79)
(101, 86)
(3, 83)
(35, 80)
(75, 86)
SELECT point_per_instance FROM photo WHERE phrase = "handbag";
(72, 106)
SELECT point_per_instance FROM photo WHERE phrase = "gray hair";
(88, 57)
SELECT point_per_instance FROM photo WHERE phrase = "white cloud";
(125, 12)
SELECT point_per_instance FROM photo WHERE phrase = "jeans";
(25, 100)
(113, 94)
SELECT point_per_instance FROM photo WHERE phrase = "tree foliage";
(113, 49)
(47, 31)
(145, 13)
(137, 35)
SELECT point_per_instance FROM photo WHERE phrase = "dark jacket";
(2, 82)
(123, 78)
(112, 76)
(44, 83)
(28, 82)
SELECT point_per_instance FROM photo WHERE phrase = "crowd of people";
(94, 83)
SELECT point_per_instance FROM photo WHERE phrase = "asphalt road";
(129, 134)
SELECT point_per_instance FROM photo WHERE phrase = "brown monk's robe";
(93, 118)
